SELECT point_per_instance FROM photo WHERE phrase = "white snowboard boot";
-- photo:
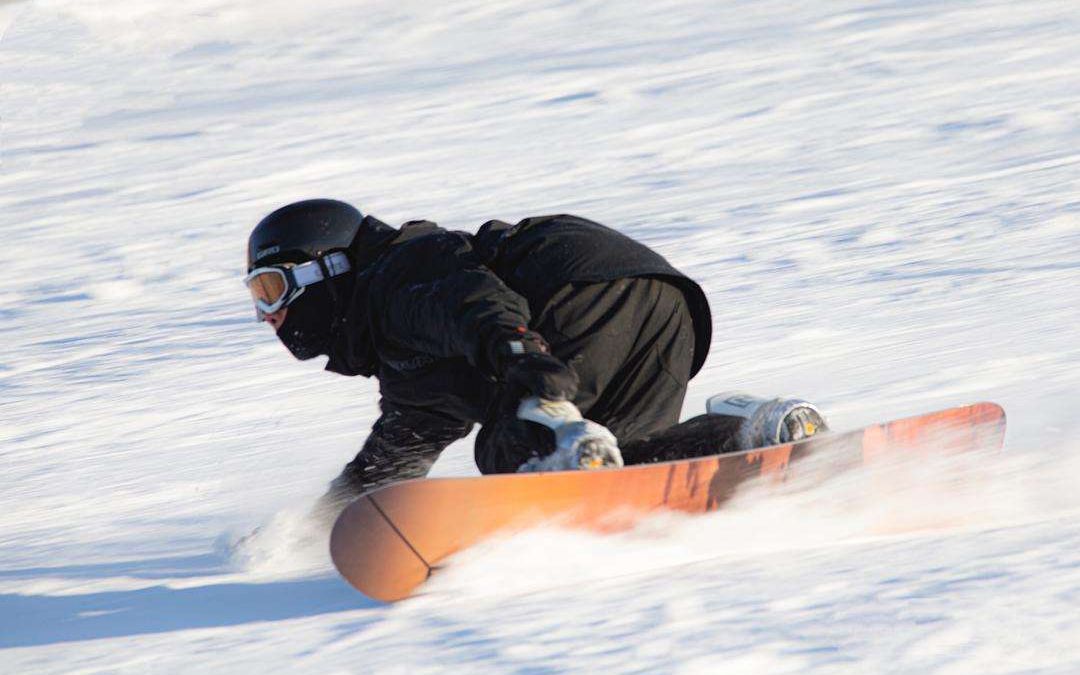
(769, 421)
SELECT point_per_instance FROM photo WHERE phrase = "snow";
(881, 199)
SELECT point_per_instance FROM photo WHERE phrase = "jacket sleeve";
(443, 301)
(403, 444)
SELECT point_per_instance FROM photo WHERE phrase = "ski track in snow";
(881, 199)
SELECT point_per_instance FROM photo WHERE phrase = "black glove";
(525, 362)
(543, 375)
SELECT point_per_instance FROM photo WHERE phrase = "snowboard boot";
(599, 452)
(802, 422)
(769, 421)
(580, 445)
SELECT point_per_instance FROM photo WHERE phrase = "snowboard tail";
(388, 541)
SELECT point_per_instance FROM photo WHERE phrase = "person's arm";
(460, 308)
(403, 444)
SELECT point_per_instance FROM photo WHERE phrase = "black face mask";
(308, 329)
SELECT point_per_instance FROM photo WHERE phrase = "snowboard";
(390, 540)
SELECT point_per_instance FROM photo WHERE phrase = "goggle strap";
(337, 263)
(311, 272)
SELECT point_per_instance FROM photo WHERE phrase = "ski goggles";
(275, 287)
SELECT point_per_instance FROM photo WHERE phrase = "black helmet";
(303, 231)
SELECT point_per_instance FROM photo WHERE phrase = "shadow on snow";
(176, 567)
(35, 620)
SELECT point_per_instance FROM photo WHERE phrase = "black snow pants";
(631, 342)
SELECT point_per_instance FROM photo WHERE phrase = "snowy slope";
(882, 200)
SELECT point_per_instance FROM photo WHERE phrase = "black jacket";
(428, 305)
(541, 255)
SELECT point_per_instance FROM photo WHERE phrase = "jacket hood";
(352, 351)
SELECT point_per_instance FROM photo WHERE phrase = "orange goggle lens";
(268, 288)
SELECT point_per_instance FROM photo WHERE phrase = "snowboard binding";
(769, 421)
(580, 444)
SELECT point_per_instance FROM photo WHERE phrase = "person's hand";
(525, 361)
(544, 376)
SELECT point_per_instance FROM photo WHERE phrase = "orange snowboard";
(387, 542)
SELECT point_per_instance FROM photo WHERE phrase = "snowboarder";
(510, 326)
